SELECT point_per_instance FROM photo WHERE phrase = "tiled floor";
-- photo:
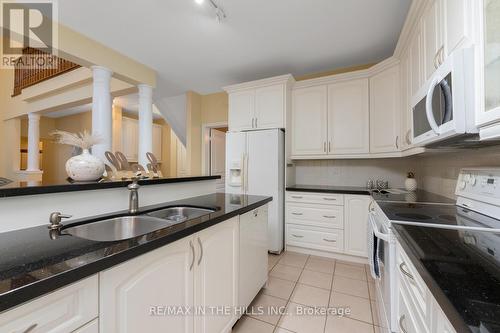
(298, 282)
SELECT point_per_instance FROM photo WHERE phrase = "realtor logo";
(27, 25)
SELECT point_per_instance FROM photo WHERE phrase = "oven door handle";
(428, 106)
(376, 231)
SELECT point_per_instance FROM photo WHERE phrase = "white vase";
(84, 167)
(411, 184)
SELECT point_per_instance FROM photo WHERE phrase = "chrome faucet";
(55, 220)
(133, 202)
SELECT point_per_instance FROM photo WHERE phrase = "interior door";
(218, 157)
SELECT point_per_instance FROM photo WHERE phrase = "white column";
(33, 142)
(145, 122)
(102, 116)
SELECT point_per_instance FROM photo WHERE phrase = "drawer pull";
(297, 197)
(330, 199)
(329, 240)
(297, 236)
(404, 271)
(31, 328)
(298, 214)
(329, 216)
(401, 321)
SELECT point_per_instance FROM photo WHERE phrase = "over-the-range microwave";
(443, 108)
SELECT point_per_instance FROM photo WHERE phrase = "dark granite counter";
(32, 263)
(11, 189)
(329, 189)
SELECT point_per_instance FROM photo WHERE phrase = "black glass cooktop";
(418, 196)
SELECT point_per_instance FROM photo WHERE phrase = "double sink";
(130, 226)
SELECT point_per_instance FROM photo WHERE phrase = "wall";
(193, 137)
(214, 108)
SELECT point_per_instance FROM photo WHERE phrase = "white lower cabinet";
(356, 220)
(62, 311)
(92, 327)
(199, 270)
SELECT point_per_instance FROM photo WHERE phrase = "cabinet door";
(385, 111)
(406, 116)
(157, 141)
(348, 117)
(355, 224)
(415, 58)
(216, 275)
(270, 107)
(459, 17)
(309, 121)
(241, 110)
(130, 138)
(432, 35)
(130, 292)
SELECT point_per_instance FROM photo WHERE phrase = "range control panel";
(479, 184)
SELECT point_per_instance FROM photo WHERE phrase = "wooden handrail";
(28, 72)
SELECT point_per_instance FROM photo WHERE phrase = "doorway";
(215, 153)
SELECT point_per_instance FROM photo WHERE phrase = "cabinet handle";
(370, 208)
(298, 214)
(297, 236)
(397, 141)
(256, 122)
(297, 197)
(329, 146)
(404, 271)
(408, 140)
(441, 55)
(329, 216)
(330, 199)
(436, 60)
(324, 146)
(192, 251)
(329, 240)
(31, 328)
(253, 122)
(201, 251)
(401, 320)
(256, 213)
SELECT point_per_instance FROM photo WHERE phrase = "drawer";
(62, 311)
(315, 238)
(92, 327)
(318, 215)
(407, 322)
(413, 285)
(315, 198)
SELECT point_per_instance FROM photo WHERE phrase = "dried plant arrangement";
(83, 140)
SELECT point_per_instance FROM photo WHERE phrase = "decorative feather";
(83, 140)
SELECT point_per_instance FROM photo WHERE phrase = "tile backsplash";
(436, 172)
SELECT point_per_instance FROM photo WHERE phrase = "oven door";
(440, 107)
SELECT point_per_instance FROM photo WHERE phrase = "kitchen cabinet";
(459, 24)
(406, 109)
(130, 139)
(157, 141)
(355, 226)
(385, 109)
(62, 311)
(348, 117)
(433, 44)
(216, 276)
(163, 277)
(199, 270)
(92, 327)
(415, 58)
(309, 121)
(261, 104)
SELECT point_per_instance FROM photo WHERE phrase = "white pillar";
(102, 116)
(33, 142)
(145, 123)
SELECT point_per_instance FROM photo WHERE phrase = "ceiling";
(260, 38)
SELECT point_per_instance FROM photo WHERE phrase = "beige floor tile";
(267, 308)
(310, 296)
(270, 266)
(318, 264)
(349, 271)
(316, 279)
(360, 307)
(372, 291)
(345, 325)
(279, 288)
(250, 325)
(294, 259)
(296, 321)
(350, 263)
(286, 272)
(375, 316)
(350, 286)
(282, 330)
(273, 258)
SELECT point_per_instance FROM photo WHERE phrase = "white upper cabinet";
(385, 110)
(309, 121)
(458, 15)
(241, 115)
(415, 59)
(433, 45)
(259, 104)
(406, 116)
(348, 117)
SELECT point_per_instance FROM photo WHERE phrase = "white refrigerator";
(255, 164)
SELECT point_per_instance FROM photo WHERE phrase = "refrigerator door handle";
(246, 174)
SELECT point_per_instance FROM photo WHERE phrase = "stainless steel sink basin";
(180, 214)
(118, 228)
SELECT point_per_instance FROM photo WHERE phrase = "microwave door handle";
(448, 101)
(428, 106)
(376, 231)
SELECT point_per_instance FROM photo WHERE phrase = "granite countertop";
(33, 264)
(329, 189)
(17, 188)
